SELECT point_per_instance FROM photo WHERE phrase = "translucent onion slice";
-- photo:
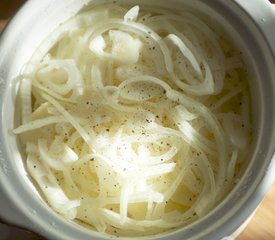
(132, 14)
(125, 48)
(48, 184)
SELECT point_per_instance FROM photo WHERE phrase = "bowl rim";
(13, 194)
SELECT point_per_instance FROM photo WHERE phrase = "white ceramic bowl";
(250, 25)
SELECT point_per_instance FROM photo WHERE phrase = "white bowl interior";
(236, 24)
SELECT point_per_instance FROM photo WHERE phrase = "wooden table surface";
(261, 226)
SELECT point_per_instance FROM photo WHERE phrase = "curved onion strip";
(25, 98)
(87, 138)
(35, 124)
(194, 22)
(235, 91)
(232, 165)
(74, 79)
(186, 52)
(214, 125)
(52, 93)
(56, 197)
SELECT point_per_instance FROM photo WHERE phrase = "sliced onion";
(116, 122)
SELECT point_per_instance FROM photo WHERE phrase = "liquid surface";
(136, 121)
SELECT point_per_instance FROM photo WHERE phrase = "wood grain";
(9, 7)
(261, 226)
(2, 24)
